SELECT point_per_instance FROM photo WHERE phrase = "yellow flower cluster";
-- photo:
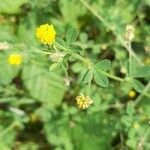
(83, 102)
(14, 59)
(46, 33)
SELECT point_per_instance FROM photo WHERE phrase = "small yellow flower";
(83, 102)
(132, 94)
(136, 125)
(46, 33)
(34, 118)
(14, 59)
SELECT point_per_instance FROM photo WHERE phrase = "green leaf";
(100, 79)
(130, 109)
(54, 66)
(65, 65)
(43, 85)
(138, 86)
(134, 65)
(11, 7)
(142, 71)
(103, 65)
(71, 11)
(75, 48)
(61, 43)
(88, 76)
(126, 120)
(83, 37)
(7, 131)
(7, 140)
(71, 35)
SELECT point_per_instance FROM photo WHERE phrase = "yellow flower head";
(83, 102)
(14, 59)
(132, 94)
(46, 33)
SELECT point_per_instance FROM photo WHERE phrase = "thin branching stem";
(111, 76)
(95, 13)
(130, 59)
(88, 63)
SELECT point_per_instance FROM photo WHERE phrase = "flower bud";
(129, 35)
(56, 57)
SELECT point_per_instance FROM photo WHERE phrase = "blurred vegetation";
(38, 110)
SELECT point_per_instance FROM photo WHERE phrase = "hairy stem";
(111, 76)
(130, 59)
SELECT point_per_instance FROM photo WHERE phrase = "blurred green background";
(38, 111)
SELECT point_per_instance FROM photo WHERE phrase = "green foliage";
(88, 76)
(15, 7)
(103, 65)
(100, 78)
(8, 72)
(71, 35)
(142, 71)
(43, 85)
(54, 66)
(90, 57)
(138, 85)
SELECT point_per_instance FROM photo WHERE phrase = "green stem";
(130, 60)
(75, 55)
(87, 62)
(89, 88)
(79, 57)
(111, 76)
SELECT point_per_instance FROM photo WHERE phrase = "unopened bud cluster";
(129, 34)
(56, 56)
